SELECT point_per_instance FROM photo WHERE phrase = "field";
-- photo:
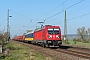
(78, 44)
(15, 51)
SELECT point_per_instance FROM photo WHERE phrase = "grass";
(72, 42)
(78, 44)
(21, 52)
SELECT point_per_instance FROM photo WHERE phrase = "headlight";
(50, 36)
(57, 36)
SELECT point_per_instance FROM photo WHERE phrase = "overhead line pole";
(8, 27)
(65, 26)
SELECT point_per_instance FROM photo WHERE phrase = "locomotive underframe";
(48, 43)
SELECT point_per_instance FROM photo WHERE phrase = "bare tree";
(82, 33)
(88, 34)
(89, 31)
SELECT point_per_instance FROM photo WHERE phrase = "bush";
(2, 56)
(77, 39)
(3, 38)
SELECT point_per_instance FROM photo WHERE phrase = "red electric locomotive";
(48, 36)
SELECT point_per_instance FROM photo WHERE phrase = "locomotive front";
(53, 36)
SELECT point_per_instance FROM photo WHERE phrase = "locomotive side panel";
(38, 35)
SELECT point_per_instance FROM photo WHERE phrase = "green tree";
(24, 33)
(29, 31)
(37, 29)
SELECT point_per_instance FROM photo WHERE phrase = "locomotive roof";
(46, 27)
(29, 32)
(50, 26)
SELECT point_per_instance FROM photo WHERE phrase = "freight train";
(48, 36)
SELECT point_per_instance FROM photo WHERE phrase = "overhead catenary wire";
(21, 15)
(74, 4)
(45, 14)
(75, 12)
(75, 18)
(78, 16)
(78, 10)
(54, 8)
(63, 10)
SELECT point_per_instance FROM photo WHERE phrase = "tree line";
(83, 35)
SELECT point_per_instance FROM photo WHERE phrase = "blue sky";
(28, 13)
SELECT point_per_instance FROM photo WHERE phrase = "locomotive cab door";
(43, 34)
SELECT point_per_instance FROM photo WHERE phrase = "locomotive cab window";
(53, 31)
(50, 31)
(56, 31)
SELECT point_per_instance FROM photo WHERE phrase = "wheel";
(46, 45)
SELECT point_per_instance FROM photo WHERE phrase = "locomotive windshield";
(53, 31)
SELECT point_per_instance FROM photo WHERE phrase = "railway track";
(75, 53)
(59, 53)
